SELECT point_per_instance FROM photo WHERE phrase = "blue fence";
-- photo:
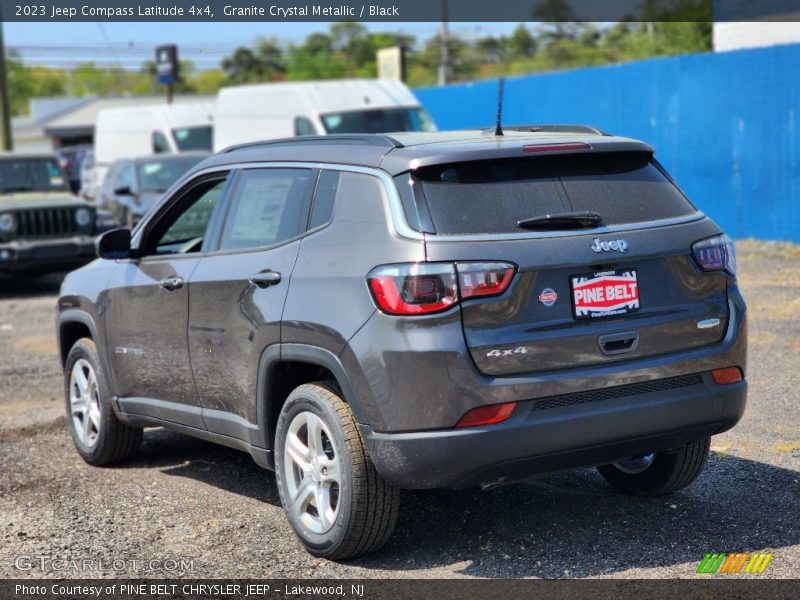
(727, 126)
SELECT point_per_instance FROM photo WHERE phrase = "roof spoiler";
(583, 129)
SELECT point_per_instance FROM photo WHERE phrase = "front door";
(148, 306)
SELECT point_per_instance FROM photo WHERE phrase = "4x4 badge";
(615, 245)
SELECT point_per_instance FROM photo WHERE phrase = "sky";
(130, 44)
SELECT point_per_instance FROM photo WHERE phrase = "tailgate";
(573, 306)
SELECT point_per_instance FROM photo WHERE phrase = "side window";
(270, 206)
(322, 210)
(112, 177)
(303, 126)
(184, 228)
(127, 179)
(160, 143)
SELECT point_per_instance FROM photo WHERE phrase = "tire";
(99, 436)
(361, 508)
(666, 472)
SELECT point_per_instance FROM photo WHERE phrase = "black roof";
(399, 152)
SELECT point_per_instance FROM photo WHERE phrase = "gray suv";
(367, 313)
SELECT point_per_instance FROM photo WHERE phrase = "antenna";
(498, 130)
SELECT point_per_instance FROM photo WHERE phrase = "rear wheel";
(335, 501)
(99, 436)
(659, 473)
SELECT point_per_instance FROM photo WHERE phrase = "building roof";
(61, 117)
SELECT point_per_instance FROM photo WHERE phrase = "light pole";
(5, 121)
(444, 47)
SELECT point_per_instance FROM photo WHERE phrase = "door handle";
(618, 343)
(171, 283)
(265, 278)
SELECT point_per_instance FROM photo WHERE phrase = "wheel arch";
(312, 363)
(72, 326)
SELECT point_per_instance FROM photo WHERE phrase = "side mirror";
(123, 191)
(114, 244)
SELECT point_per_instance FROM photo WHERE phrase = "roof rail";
(371, 139)
(550, 129)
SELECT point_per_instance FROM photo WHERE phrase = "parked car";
(133, 185)
(43, 227)
(245, 113)
(90, 183)
(153, 129)
(70, 158)
(419, 310)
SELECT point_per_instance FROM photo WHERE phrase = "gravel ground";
(212, 507)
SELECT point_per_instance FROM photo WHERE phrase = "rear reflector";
(727, 375)
(537, 148)
(487, 415)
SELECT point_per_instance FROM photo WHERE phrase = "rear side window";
(270, 207)
(492, 196)
(322, 210)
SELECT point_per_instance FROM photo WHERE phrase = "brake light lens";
(425, 288)
(727, 375)
(483, 279)
(487, 415)
(561, 147)
(414, 289)
(716, 254)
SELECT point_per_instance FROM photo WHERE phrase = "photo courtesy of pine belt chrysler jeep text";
(368, 313)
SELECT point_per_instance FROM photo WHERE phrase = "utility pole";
(6, 140)
(444, 47)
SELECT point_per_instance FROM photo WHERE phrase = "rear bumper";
(535, 441)
(46, 255)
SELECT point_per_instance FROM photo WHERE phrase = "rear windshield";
(492, 196)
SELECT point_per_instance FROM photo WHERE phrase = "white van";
(250, 113)
(133, 131)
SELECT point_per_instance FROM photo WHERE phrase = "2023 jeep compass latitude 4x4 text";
(369, 313)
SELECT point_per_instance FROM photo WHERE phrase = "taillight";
(727, 375)
(716, 254)
(425, 288)
(483, 279)
(414, 289)
(487, 415)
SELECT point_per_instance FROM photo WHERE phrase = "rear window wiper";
(568, 220)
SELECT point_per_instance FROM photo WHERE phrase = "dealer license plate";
(605, 294)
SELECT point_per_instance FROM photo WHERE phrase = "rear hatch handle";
(618, 343)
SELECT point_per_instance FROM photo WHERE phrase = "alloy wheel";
(313, 473)
(84, 400)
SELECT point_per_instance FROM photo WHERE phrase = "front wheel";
(99, 436)
(335, 501)
(659, 473)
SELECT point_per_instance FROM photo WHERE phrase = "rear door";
(582, 297)
(237, 293)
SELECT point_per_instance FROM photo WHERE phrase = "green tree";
(521, 44)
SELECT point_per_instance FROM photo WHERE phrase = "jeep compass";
(368, 313)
